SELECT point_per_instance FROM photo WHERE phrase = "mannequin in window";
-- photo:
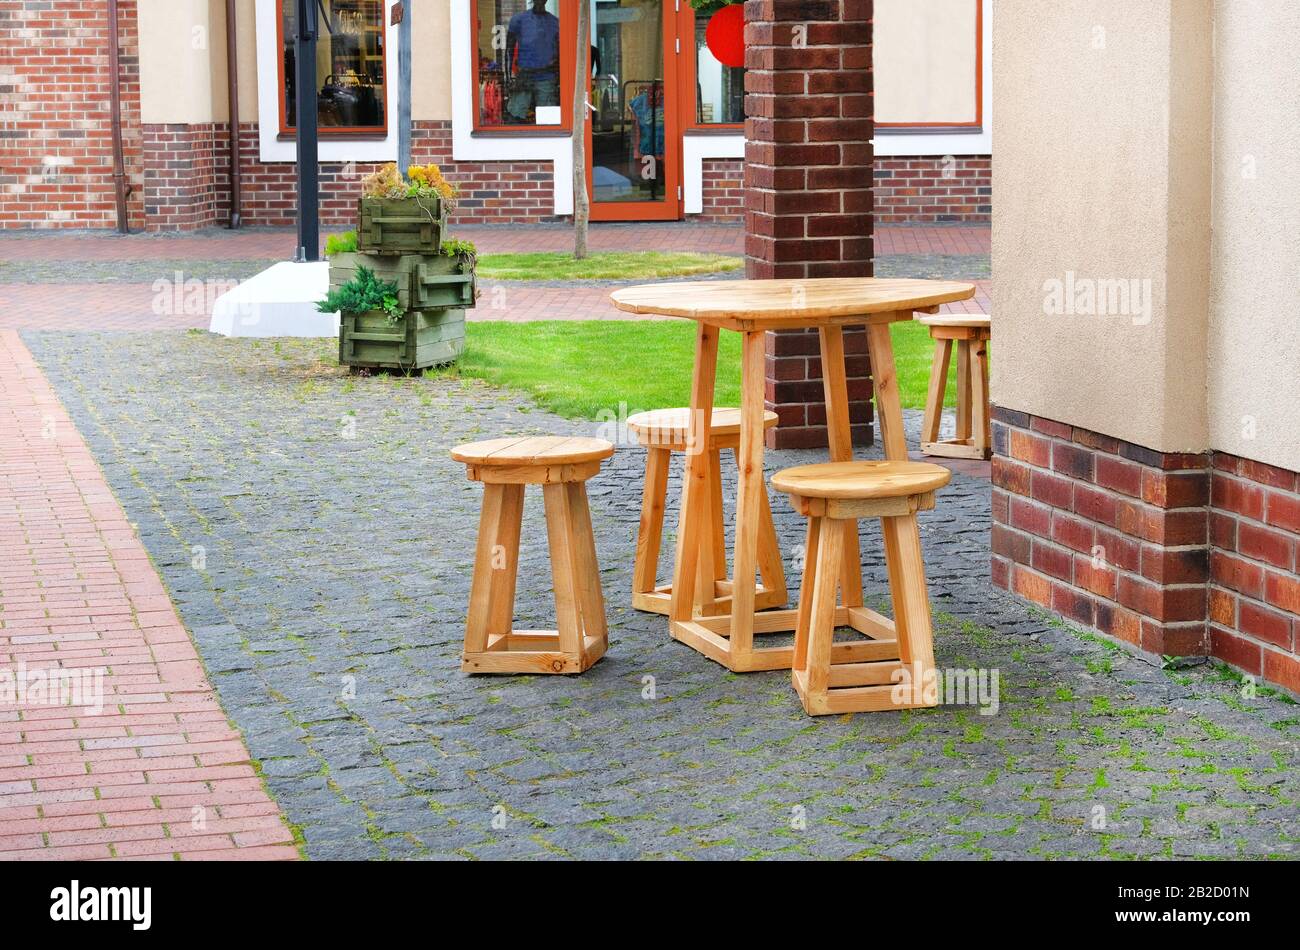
(532, 62)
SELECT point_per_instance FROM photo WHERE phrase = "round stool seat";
(538, 450)
(972, 321)
(667, 427)
(861, 480)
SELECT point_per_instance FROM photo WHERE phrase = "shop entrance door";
(633, 134)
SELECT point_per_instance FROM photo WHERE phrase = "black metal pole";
(305, 27)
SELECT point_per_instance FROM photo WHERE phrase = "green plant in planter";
(345, 243)
(464, 250)
(363, 294)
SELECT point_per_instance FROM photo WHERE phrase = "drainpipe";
(232, 78)
(120, 188)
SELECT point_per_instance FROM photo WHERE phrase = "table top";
(790, 304)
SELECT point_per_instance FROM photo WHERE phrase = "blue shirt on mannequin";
(537, 37)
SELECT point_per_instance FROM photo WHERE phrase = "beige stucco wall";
(1103, 172)
(183, 61)
(924, 60)
(431, 61)
(1254, 340)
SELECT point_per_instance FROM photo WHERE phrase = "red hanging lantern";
(725, 35)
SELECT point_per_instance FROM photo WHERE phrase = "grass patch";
(583, 367)
(603, 265)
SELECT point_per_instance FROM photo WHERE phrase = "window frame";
(568, 15)
(688, 78)
(334, 131)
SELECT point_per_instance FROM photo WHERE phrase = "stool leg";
(963, 390)
(591, 602)
(803, 625)
(719, 522)
(479, 616)
(839, 430)
(821, 621)
(560, 537)
(934, 396)
(505, 576)
(770, 568)
(706, 591)
(649, 535)
(979, 377)
(908, 590)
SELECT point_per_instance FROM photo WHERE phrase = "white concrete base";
(280, 301)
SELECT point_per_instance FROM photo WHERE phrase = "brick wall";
(187, 181)
(1179, 554)
(723, 186)
(919, 189)
(1254, 599)
(56, 166)
(186, 172)
(930, 189)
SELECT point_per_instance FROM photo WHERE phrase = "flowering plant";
(420, 181)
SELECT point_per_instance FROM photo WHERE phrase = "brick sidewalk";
(255, 244)
(159, 773)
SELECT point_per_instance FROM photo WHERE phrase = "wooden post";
(582, 69)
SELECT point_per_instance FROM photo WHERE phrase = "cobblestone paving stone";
(317, 540)
(62, 271)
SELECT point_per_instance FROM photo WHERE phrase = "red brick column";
(808, 177)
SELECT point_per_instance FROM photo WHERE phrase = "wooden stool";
(561, 466)
(662, 432)
(973, 438)
(861, 675)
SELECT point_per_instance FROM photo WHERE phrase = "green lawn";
(603, 265)
(580, 369)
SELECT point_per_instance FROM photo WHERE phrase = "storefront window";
(719, 89)
(518, 63)
(349, 65)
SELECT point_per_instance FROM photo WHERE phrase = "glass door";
(633, 138)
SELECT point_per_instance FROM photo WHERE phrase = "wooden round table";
(751, 308)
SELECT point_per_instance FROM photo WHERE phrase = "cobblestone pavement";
(317, 540)
(279, 243)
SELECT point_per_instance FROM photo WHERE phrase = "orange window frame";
(366, 131)
(568, 16)
(978, 122)
(688, 76)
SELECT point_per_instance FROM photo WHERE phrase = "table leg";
(749, 460)
(692, 525)
(839, 436)
(884, 377)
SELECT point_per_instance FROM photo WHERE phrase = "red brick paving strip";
(78, 591)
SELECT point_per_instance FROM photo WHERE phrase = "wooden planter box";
(424, 282)
(421, 339)
(400, 225)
